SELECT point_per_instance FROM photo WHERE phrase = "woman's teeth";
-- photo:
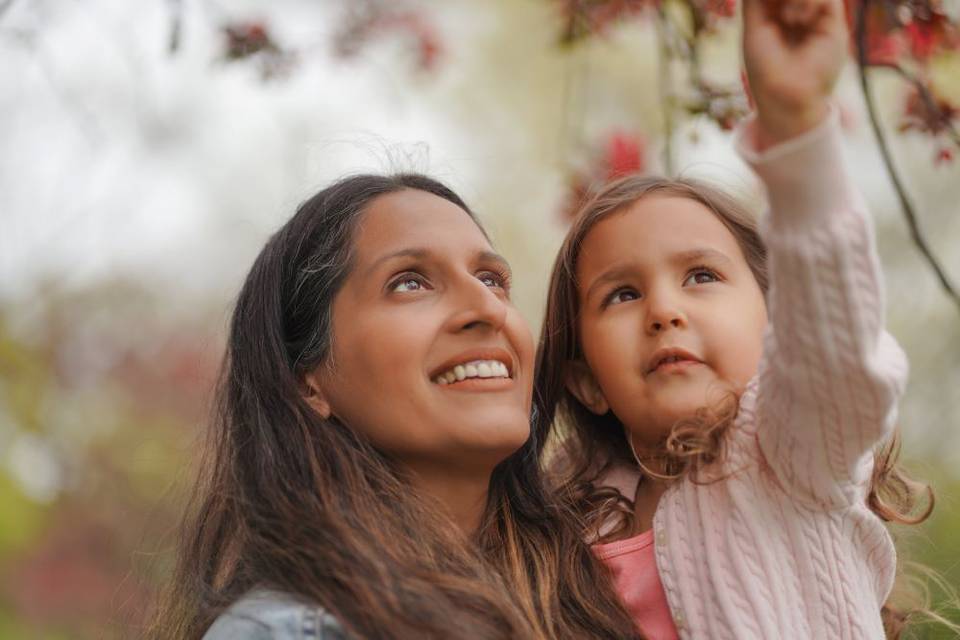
(475, 369)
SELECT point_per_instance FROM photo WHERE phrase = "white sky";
(120, 159)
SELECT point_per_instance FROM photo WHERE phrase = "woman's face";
(429, 359)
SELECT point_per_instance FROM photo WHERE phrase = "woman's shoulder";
(264, 614)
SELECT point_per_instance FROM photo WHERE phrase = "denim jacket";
(271, 615)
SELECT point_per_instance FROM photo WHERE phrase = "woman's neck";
(462, 494)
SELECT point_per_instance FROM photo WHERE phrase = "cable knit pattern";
(786, 547)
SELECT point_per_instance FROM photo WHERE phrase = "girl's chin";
(656, 426)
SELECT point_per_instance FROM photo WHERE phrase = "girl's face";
(671, 316)
(430, 360)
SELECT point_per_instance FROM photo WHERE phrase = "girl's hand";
(793, 51)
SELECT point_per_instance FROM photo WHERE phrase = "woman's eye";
(407, 283)
(702, 276)
(621, 295)
(492, 280)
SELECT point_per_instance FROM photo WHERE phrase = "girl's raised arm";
(830, 377)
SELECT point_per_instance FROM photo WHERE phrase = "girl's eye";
(621, 295)
(702, 275)
(408, 282)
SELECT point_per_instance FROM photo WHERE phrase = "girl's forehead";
(655, 226)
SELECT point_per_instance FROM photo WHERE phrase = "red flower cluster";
(920, 28)
(624, 155)
(930, 32)
(380, 21)
(709, 13)
(927, 113)
(620, 154)
(720, 8)
(589, 17)
(931, 114)
(247, 39)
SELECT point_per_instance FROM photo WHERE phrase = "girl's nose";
(656, 326)
(664, 313)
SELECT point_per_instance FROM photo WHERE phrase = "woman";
(371, 472)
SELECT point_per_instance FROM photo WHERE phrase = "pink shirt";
(634, 569)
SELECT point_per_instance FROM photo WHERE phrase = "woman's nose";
(478, 306)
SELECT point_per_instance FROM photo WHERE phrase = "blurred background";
(149, 148)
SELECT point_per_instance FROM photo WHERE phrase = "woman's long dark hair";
(291, 501)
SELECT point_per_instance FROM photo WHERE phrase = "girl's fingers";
(785, 12)
(804, 14)
(794, 18)
(798, 13)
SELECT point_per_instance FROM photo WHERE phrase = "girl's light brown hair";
(583, 446)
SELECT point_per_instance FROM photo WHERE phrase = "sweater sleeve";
(830, 377)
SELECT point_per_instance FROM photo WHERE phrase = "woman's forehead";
(412, 221)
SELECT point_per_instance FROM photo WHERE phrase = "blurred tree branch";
(941, 117)
(905, 204)
(884, 31)
(666, 87)
(176, 25)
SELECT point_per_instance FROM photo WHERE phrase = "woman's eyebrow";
(421, 253)
(412, 252)
(491, 256)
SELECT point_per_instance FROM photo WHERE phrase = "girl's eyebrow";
(421, 253)
(617, 272)
(622, 270)
(700, 253)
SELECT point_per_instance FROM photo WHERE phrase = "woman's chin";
(494, 440)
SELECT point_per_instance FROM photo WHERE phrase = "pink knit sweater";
(786, 546)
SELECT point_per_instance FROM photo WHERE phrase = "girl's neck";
(649, 491)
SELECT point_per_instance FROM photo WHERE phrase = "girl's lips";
(670, 355)
(675, 367)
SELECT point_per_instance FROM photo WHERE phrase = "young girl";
(370, 472)
(723, 390)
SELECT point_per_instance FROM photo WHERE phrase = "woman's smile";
(477, 369)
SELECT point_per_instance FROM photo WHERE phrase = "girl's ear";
(581, 382)
(312, 390)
